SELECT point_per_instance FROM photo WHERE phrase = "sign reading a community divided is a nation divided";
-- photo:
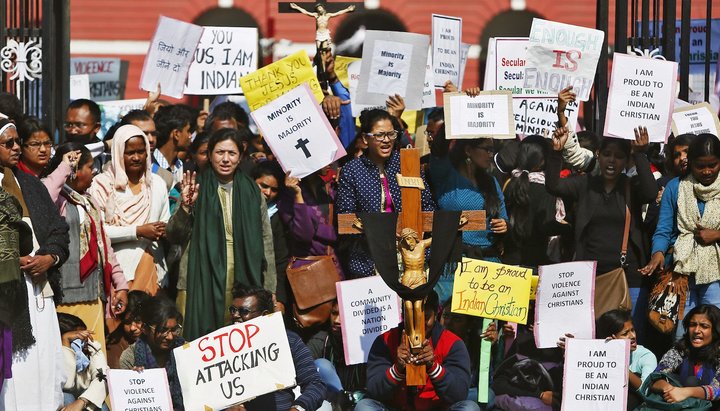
(224, 55)
(146, 390)
(368, 308)
(642, 93)
(561, 55)
(169, 56)
(492, 290)
(393, 63)
(565, 290)
(235, 364)
(487, 115)
(105, 76)
(595, 375)
(446, 49)
(274, 80)
(696, 119)
(298, 132)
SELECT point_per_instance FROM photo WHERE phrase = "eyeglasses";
(380, 137)
(9, 144)
(164, 332)
(242, 311)
(74, 124)
(35, 145)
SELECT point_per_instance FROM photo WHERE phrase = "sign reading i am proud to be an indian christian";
(446, 49)
(168, 59)
(298, 132)
(235, 364)
(595, 374)
(131, 390)
(695, 119)
(560, 55)
(642, 93)
(490, 114)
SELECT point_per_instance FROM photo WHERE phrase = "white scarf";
(539, 178)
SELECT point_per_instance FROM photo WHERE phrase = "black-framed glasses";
(164, 332)
(380, 137)
(241, 311)
(35, 145)
(9, 144)
(74, 124)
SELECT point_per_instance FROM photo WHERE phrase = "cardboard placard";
(235, 364)
(565, 290)
(224, 55)
(169, 56)
(341, 69)
(696, 119)
(446, 49)
(130, 390)
(106, 82)
(368, 308)
(79, 86)
(298, 132)
(490, 115)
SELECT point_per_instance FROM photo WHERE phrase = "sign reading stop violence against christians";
(235, 364)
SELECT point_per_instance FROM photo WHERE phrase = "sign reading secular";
(146, 390)
(446, 49)
(489, 114)
(235, 364)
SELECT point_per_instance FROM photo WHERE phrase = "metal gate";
(34, 56)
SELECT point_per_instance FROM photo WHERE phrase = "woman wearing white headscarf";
(134, 202)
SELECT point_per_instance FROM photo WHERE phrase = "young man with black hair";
(175, 125)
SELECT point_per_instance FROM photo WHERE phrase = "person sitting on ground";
(129, 330)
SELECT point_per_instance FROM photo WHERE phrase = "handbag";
(611, 288)
(667, 300)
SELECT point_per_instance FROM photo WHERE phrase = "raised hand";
(642, 139)
(566, 95)
(189, 190)
(559, 138)
(395, 105)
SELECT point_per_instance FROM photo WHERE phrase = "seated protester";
(175, 125)
(446, 361)
(694, 358)
(617, 324)
(161, 334)
(252, 302)
(35, 147)
(130, 328)
(83, 361)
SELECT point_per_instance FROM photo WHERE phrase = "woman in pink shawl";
(134, 203)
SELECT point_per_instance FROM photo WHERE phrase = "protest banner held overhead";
(695, 119)
(169, 57)
(446, 49)
(224, 55)
(486, 115)
(235, 364)
(106, 81)
(133, 390)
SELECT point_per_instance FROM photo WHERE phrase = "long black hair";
(702, 145)
(708, 354)
(611, 323)
(531, 157)
(62, 149)
(485, 183)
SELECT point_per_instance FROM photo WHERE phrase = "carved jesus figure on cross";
(322, 20)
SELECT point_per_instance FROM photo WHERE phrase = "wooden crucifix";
(411, 226)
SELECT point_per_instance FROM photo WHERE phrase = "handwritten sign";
(446, 49)
(368, 308)
(642, 93)
(489, 114)
(79, 86)
(298, 132)
(393, 63)
(595, 374)
(533, 287)
(235, 363)
(560, 55)
(224, 55)
(492, 290)
(131, 390)
(169, 57)
(696, 119)
(105, 76)
(341, 69)
(539, 115)
(565, 290)
(276, 79)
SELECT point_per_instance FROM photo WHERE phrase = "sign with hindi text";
(696, 119)
(133, 390)
(446, 49)
(235, 364)
(490, 114)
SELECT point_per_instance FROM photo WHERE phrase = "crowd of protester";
(180, 222)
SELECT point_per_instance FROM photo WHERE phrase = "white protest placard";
(223, 56)
(393, 63)
(368, 308)
(79, 86)
(642, 93)
(539, 115)
(235, 364)
(560, 55)
(446, 49)
(112, 111)
(298, 132)
(168, 59)
(464, 50)
(428, 96)
(565, 290)
(105, 76)
(132, 390)
(595, 375)
(486, 115)
(509, 67)
(696, 119)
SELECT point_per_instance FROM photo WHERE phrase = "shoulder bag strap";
(626, 232)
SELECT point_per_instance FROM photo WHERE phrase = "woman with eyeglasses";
(369, 184)
(161, 334)
(36, 146)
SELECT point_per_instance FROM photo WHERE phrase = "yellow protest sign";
(492, 290)
(272, 81)
(533, 287)
(341, 64)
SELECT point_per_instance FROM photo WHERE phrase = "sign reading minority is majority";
(642, 93)
(235, 363)
(169, 57)
(146, 390)
(224, 55)
(298, 132)
(489, 114)
(446, 49)
(696, 119)
(492, 290)
(561, 55)
(595, 374)
(368, 308)
(565, 290)
(274, 80)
